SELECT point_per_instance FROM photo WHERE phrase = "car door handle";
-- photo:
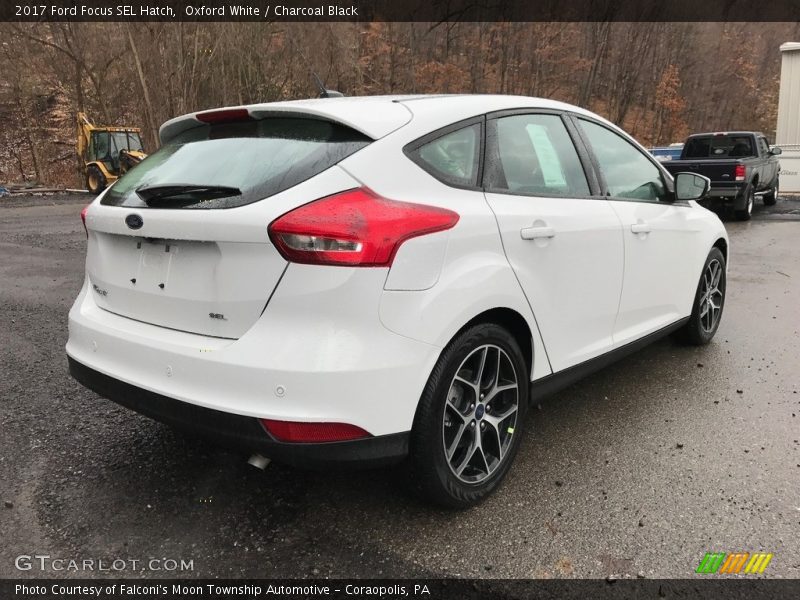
(534, 233)
(640, 228)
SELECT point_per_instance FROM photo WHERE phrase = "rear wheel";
(467, 428)
(746, 213)
(95, 180)
(709, 300)
(771, 197)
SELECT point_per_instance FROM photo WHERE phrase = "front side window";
(452, 158)
(100, 145)
(535, 155)
(628, 172)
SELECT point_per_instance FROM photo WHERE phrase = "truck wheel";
(771, 197)
(746, 213)
(95, 180)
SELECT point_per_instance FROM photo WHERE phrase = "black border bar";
(420, 589)
(435, 11)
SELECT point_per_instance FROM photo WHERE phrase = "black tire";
(437, 423)
(771, 197)
(697, 332)
(746, 213)
(95, 180)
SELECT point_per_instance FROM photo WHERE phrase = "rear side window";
(452, 158)
(225, 165)
(534, 154)
(719, 146)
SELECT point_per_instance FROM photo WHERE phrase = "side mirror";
(691, 186)
(775, 151)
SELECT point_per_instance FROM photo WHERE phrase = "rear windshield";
(720, 146)
(240, 163)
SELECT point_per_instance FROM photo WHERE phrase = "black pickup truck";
(740, 165)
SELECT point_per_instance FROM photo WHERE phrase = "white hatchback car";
(363, 280)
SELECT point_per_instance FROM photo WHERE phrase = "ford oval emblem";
(134, 221)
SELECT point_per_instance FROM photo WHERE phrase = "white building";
(788, 131)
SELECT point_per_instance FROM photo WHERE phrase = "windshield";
(122, 140)
(720, 146)
(258, 158)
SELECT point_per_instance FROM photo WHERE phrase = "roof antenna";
(323, 92)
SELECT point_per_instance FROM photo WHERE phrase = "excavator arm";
(85, 128)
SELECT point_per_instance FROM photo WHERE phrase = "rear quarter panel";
(466, 271)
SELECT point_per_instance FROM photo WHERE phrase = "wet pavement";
(638, 470)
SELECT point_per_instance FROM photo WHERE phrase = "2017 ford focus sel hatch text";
(377, 279)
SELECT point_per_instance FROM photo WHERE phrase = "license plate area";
(157, 268)
(155, 261)
(217, 288)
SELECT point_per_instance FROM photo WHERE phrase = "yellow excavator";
(107, 153)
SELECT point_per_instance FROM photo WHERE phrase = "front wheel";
(467, 428)
(95, 180)
(771, 197)
(709, 301)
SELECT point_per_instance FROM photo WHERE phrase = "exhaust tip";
(258, 461)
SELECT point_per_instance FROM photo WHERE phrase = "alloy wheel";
(711, 297)
(480, 414)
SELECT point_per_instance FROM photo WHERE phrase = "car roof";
(378, 116)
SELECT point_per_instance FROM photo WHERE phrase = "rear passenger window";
(535, 155)
(452, 158)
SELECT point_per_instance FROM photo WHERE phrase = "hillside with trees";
(658, 80)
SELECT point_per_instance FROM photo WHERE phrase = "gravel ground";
(636, 471)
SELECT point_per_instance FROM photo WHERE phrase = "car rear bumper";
(237, 431)
(313, 356)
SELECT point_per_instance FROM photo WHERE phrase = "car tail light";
(293, 431)
(740, 169)
(354, 228)
(83, 219)
(223, 116)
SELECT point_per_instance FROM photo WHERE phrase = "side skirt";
(550, 384)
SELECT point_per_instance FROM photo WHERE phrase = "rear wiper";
(193, 191)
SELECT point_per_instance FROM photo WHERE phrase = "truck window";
(719, 146)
